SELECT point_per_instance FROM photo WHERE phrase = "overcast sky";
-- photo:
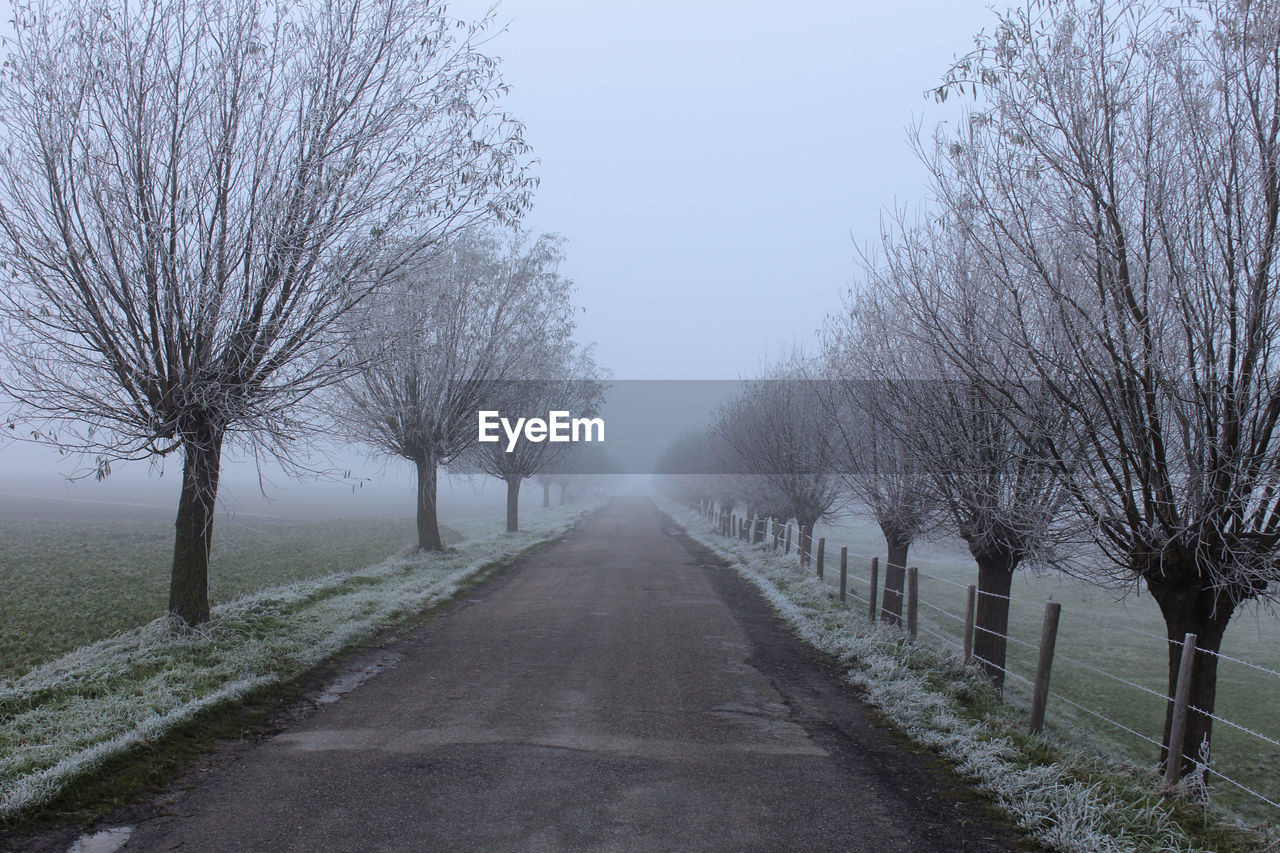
(712, 165)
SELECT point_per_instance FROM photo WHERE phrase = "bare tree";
(985, 455)
(192, 193)
(438, 338)
(578, 390)
(699, 466)
(876, 467)
(777, 435)
(1120, 177)
(685, 468)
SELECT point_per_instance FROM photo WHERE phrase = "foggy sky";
(712, 164)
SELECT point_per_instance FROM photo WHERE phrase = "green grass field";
(1104, 629)
(64, 584)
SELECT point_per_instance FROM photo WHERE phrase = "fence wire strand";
(941, 610)
(1234, 725)
(1238, 784)
(1060, 656)
(1115, 626)
(1105, 718)
(950, 641)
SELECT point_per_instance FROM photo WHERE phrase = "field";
(64, 718)
(1105, 631)
(64, 584)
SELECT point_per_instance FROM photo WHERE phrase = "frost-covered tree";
(569, 382)
(192, 193)
(1119, 177)
(778, 445)
(877, 468)
(983, 456)
(438, 338)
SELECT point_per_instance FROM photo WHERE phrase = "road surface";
(621, 690)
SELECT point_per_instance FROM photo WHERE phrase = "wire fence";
(1114, 711)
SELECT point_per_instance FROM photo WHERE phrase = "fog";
(713, 167)
(641, 419)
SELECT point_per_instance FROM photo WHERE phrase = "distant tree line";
(1075, 348)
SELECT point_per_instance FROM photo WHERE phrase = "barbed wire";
(1059, 656)
(1235, 782)
(1008, 638)
(1008, 672)
(1105, 718)
(1249, 664)
(1114, 625)
(1233, 725)
(854, 595)
(950, 641)
(943, 611)
(944, 580)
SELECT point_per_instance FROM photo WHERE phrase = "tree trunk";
(428, 523)
(513, 504)
(1187, 609)
(895, 578)
(991, 616)
(189, 580)
(563, 487)
(546, 495)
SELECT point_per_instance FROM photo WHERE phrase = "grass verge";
(67, 583)
(74, 715)
(1065, 799)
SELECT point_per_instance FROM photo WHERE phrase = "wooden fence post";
(1181, 698)
(970, 610)
(1048, 639)
(913, 599)
(787, 547)
(875, 580)
(844, 572)
(822, 550)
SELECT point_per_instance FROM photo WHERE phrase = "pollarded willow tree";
(445, 331)
(877, 468)
(984, 456)
(778, 446)
(699, 466)
(1121, 177)
(567, 380)
(192, 193)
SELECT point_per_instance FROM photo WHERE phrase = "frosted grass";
(66, 717)
(1076, 804)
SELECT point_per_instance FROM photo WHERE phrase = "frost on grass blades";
(558, 427)
(66, 717)
(1072, 803)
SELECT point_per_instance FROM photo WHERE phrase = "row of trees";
(1074, 351)
(485, 323)
(232, 224)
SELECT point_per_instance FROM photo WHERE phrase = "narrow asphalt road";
(621, 690)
